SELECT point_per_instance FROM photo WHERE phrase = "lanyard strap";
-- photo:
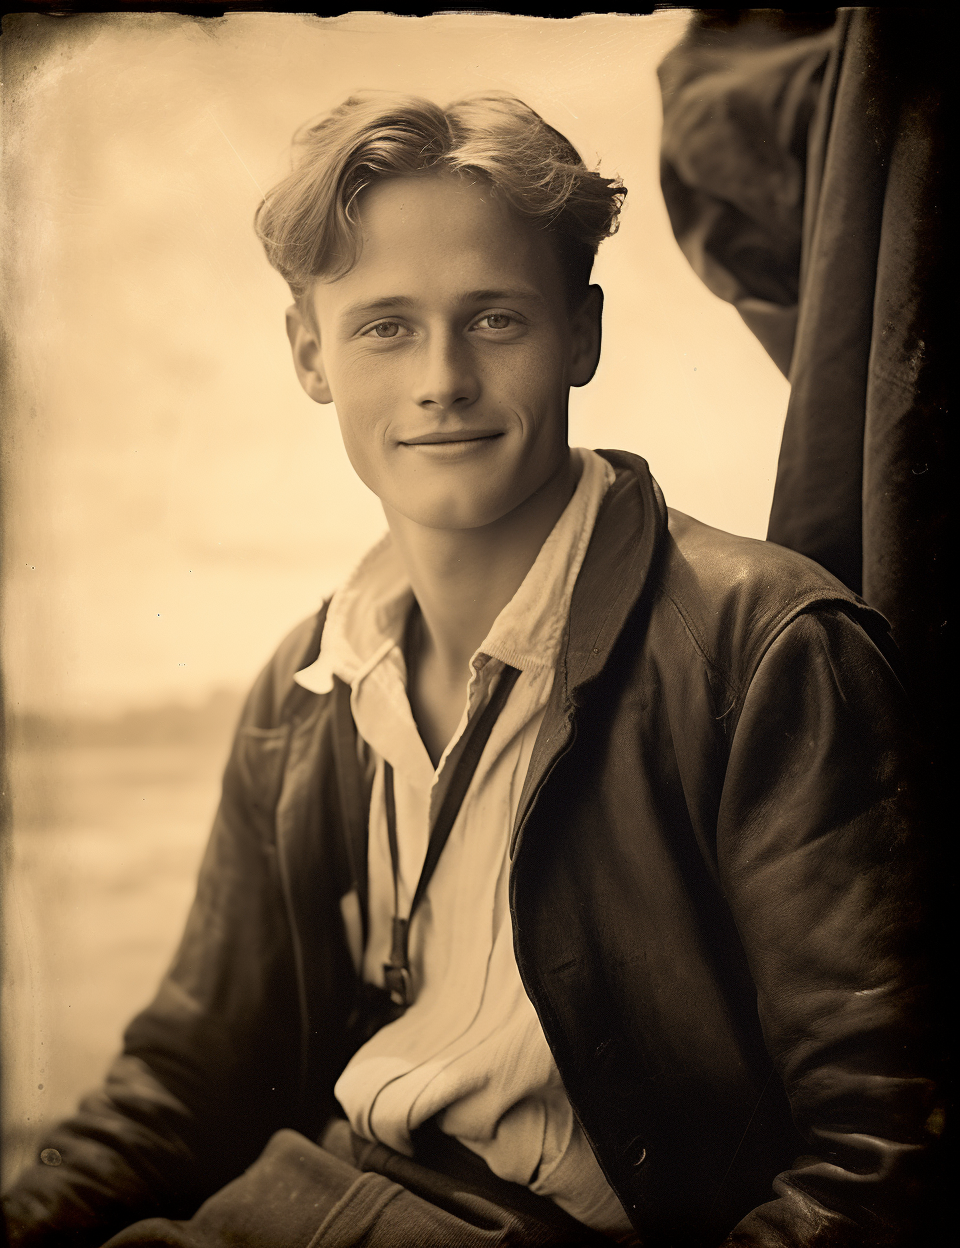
(396, 972)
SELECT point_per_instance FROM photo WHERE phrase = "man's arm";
(820, 858)
(208, 1069)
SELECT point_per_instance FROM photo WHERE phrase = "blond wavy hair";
(309, 223)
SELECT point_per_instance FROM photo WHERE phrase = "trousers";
(347, 1192)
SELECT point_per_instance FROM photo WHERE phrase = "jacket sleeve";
(820, 856)
(205, 1074)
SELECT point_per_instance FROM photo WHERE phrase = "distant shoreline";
(167, 724)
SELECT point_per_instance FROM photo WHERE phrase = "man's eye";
(497, 320)
(386, 329)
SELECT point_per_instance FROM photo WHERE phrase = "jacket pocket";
(256, 766)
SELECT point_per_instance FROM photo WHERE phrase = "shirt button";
(51, 1157)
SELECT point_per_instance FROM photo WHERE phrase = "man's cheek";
(357, 446)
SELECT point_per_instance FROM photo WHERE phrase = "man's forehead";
(436, 219)
(439, 238)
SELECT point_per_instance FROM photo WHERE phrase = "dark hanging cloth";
(803, 167)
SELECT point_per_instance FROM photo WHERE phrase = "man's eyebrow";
(368, 307)
(392, 302)
(492, 295)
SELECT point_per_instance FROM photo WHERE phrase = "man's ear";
(586, 323)
(307, 356)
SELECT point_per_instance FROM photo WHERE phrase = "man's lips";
(437, 438)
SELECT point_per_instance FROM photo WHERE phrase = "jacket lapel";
(627, 536)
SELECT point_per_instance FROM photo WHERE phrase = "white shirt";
(470, 1049)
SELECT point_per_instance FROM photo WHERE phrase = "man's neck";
(462, 579)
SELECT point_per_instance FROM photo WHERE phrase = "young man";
(562, 889)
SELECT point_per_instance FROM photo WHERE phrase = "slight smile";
(455, 437)
(453, 446)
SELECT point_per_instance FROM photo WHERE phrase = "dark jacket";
(713, 901)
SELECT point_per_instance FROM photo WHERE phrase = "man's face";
(449, 350)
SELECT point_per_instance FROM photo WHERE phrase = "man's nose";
(447, 376)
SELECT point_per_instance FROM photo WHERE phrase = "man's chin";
(454, 511)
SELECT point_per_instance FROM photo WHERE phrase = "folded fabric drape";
(803, 168)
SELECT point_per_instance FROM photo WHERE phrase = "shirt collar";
(366, 616)
(528, 631)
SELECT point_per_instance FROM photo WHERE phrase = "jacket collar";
(630, 527)
(629, 532)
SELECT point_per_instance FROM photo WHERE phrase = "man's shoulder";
(736, 594)
(270, 698)
(722, 564)
(707, 569)
(712, 593)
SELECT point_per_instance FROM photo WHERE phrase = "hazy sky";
(175, 503)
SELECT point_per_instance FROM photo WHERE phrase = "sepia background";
(173, 501)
